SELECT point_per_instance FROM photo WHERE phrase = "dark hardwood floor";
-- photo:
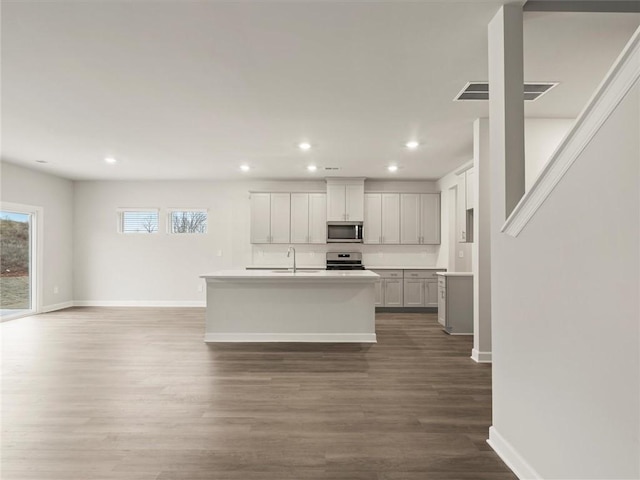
(135, 394)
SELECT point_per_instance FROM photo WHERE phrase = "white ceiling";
(192, 90)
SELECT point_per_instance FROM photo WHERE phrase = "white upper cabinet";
(420, 218)
(345, 200)
(382, 218)
(410, 218)
(373, 218)
(430, 218)
(270, 214)
(291, 218)
(299, 218)
(390, 218)
(354, 208)
(280, 215)
(317, 218)
(336, 203)
(260, 218)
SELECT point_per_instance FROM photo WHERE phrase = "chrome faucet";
(291, 249)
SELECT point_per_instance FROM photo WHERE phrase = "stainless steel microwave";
(344, 232)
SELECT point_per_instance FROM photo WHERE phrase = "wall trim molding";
(511, 457)
(480, 357)
(620, 79)
(291, 337)
(139, 303)
(57, 306)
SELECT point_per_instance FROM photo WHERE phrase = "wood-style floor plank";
(135, 394)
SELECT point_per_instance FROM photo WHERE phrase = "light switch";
(461, 254)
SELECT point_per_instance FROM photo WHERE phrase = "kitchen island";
(283, 306)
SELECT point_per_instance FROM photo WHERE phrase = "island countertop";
(300, 275)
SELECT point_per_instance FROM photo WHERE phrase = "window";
(188, 221)
(139, 221)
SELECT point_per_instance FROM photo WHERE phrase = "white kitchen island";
(282, 306)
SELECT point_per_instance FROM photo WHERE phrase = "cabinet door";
(461, 213)
(373, 218)
(336, 203)
(354, 204)
(442, 301)
(410, 219)
(280, 217)
(393, 292)
(299, 218)
(431, 293)
(260, 218)
(430, 218)
(470, 189)
(379, 293)
(317, 218)
(414, 293)
(391, 218)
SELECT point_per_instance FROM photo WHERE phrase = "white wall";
(112, 268)
(565, 314)
(541, 138)
(55, 196)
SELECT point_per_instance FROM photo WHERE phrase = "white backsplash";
(372, 255)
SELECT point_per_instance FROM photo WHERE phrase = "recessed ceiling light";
(412, 145)
(110, 160)
(304, 146)
(312, 168)
(245, 168)
(392, 168)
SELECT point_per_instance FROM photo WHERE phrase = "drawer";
(389, 273)
(428, 274)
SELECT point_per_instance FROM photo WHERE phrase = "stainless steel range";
(344, 261)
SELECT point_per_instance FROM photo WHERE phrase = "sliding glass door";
(16, 263)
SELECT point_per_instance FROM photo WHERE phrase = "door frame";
(35, 257)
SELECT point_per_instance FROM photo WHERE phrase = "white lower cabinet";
(407, 288)
(389, 288)
(455, 303)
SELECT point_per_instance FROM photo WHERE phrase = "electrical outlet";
(56, 290)
(219, 253)
(200, 288)
(461, 254)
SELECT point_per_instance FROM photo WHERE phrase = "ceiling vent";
(332, 168)
(480, 91)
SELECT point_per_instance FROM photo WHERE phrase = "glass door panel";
(16, 277)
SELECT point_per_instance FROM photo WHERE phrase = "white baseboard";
(56, 306)
(480, 357)
(291, 337)
(511, 457)
(139, 303)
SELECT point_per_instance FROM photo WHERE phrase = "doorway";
(18, 231)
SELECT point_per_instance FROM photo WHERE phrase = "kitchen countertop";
(405, 267)
(455, 274)
(284, 267)
(329, 275)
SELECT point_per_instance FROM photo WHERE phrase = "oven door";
(344, 232)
